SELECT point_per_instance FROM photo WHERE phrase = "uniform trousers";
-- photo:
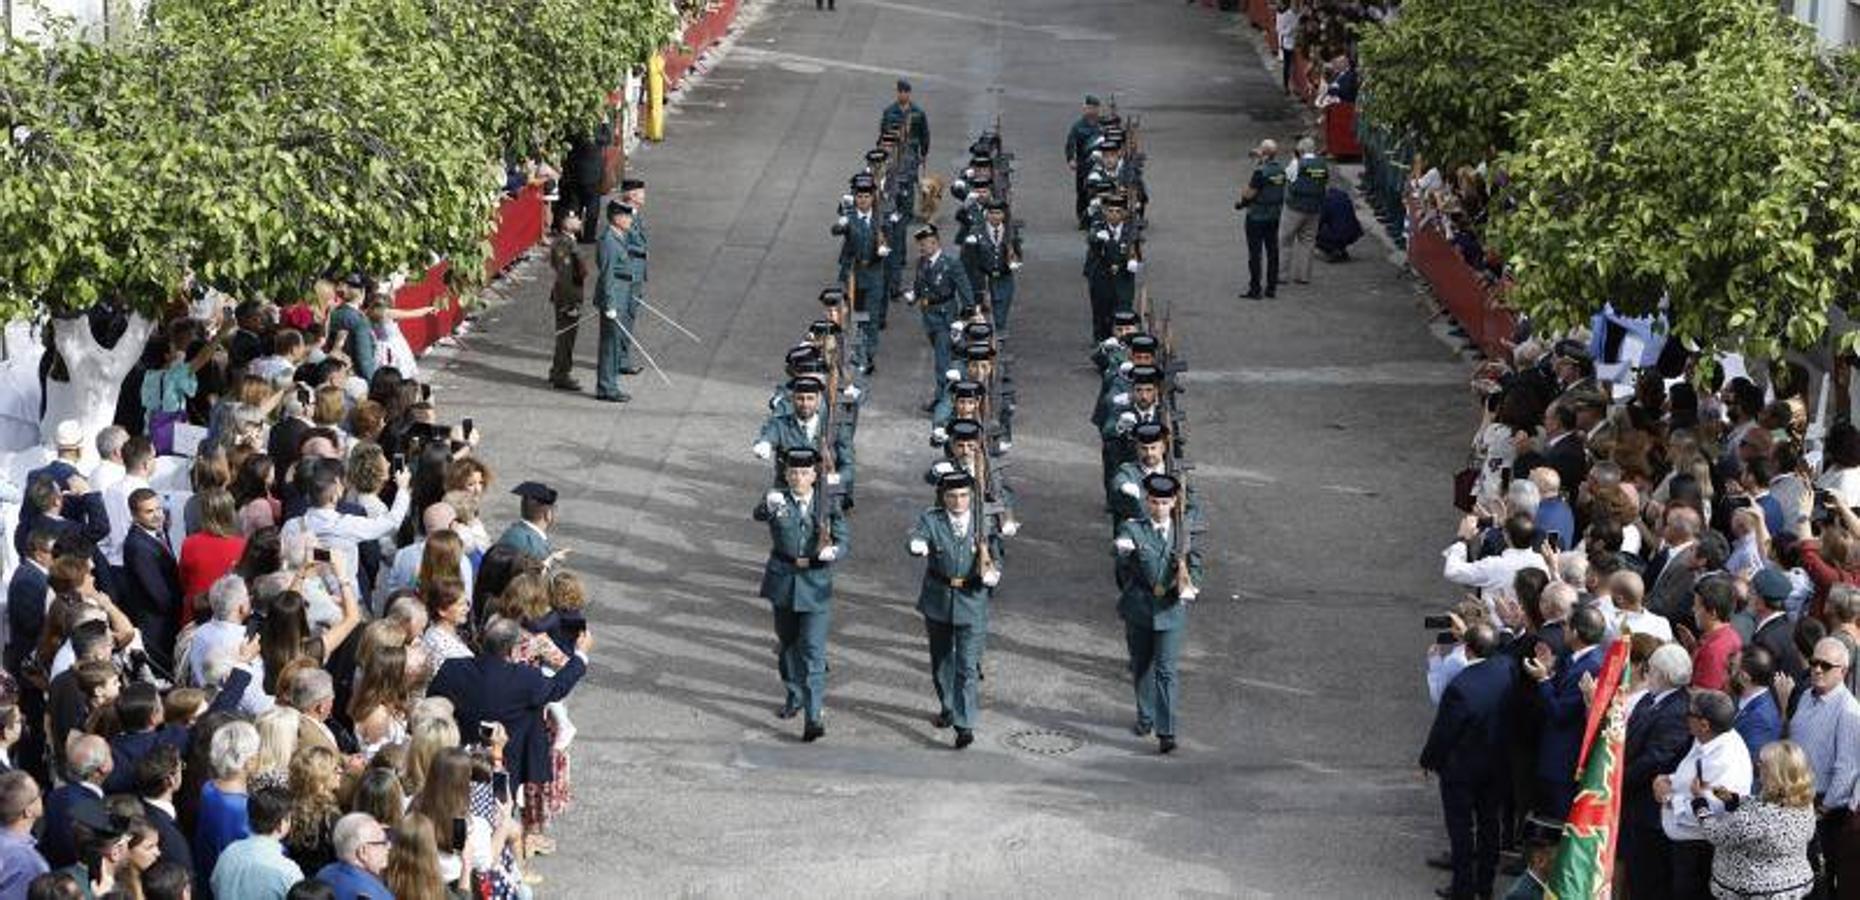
(567, 326)
(1153, 654)
(1262, 238)
(1001, 297)
(802, 658)
(955, 667)
(936, 328)
(612, 355)
(1300, 237)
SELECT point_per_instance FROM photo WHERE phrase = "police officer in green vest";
(1260, 199)
(1157, 581)
(1309, 176)
(960, 573)
(806, 539)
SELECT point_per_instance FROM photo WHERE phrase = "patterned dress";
(542, 803)
(1761, 850)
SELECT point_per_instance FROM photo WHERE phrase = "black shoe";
(940, 720)
(813, 732)
(1165, 743)
(930, 405)
(847, 503)
(1442, 860)
(1250, 295)
(1141, 729)
(1271, 294)
(621, 397)
(631, 370)
(566, 384)
(787, 711)
(964, 737)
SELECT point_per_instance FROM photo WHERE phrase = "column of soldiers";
(1138, 416)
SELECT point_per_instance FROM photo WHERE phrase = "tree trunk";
(95, 375)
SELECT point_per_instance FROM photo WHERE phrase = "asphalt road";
(1326, 426)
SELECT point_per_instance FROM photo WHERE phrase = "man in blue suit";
(494, 687)
(1657, 739)
(1467, 748)
(1566, 706)
(1759, 720)
(151, 588)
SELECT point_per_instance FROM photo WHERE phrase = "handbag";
(162, 422)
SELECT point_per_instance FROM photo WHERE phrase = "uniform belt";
(812, 562)
(623, 277)
(963, 584)
(636, 254)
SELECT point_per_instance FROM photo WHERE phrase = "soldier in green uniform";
(864, 248)
(997, 256)
(1114, 390)
(1156, 580)
(963, 453)
(940, 290)
(960, 573)
(614, 295)
(633, 193)
(1261, 199)
(806, 426)
(566, 296)
(1078, 153)
(1113, 258)
(803, 359)
(1145, 405)
(912, 126)
(963, 400)
(1309, 176)
(807, 535)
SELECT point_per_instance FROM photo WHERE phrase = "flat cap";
(806, 384)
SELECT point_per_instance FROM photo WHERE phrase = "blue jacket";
(1146, 577)
(1657, 739)
(349, 882)
(26, 602)
(1554, 514)
(495, 690)
(1565, 717)
(63, 808)
(129, 748)
(1759, 723)
(1468, 740)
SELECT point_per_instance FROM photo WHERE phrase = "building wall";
(25, 18)
(1836, 22)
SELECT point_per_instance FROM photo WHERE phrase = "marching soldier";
(960, 573)
(940, 290)
(912, 125)
(1114, 394)
(1145, 406)
(803, 359)
(1112, 262)
(963, 400)
(1310, 177)
(1157, 580)
(1151, 440)
(963, 453)
(997, 258)
(1111, 164)
(1112, 351)
(1261, 198)
(807, 535)
(570, 290)
(1078, 153)
(863, 249)
(805, 426)
(897, 198)
(615, 294)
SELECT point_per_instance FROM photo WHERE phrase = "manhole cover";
(1045, 742)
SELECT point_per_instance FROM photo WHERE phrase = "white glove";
(1014, 266)
(1108, 343)
(841, 221)
(833, 478)
(1134, 266)
(1124, 367)
(1190, 592)
(1010, 528)
(944, 467)
(969, 240)
(895, 217)
(852, 392)
(884, 250)
(910, 296)
(1131, 490)
(1125, 545)
(828, 553)
(763, 449)
(1126, 421)
(938, 435)
(613, 314)
(846, 199)
(1121, 398)
(773, 499)
(953, 374)
(1101, 235)
(919, 548)
(991, 577)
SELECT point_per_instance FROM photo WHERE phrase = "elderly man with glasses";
(1827, 726)
(361, 847)
(1717, 759)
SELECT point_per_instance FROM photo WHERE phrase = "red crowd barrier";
(1263, 17)
(704, 31)
(1471, 301)
(520, 222)
(1340, 132)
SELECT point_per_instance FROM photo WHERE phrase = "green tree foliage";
(1708, 159)
(260, 143)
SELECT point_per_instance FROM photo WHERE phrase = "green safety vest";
(1307, 194)
(1265, 205)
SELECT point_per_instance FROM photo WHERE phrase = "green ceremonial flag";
(1585, 860)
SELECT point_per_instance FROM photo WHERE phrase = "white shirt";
(810, 426)
(1641, 621)
(116, 505)
(1441, 669)
(958, 524)
(220, 638)
(1287, 26)
(1492, 575)
(341, 532)
(1725, 762)
(107, 472)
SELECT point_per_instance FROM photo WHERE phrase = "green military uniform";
(864, 255)
(1079, 140)
(1305, 201)
(615, 294)
(797, 580)
(954, 603)
(942, 289)
(786, 431)
(1154, 611)
(566, 296)
(1262, 225)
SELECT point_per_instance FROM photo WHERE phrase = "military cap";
(904, 86)
(1542, 831)
(1150, 432)
(864, 184)
(1574, 351)
(832, 296)
(800, 457)
(982, 180)
(979, 350)
(966, 390)
(616, 208)
(1111, 142)
(981, 157)
(802, 354)
(875, 155)
(1114, 201)
(1091, 99)
(928, 229)
(994, 203)
(978, 331)
(806, 384)
(965, 430)
(1100, 187)
(1111, 121)
(537, 491)
(956, 480)
(632, 184)
(1145, 375)
(1125, 317)
(1160, 485)
(355, 280)
(823, 326)
(1142, 343)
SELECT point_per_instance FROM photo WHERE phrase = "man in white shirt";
(138, 464)
(222, 640)
(1493, 575)
(109, 469)
(1628, 590)
(341, 533)
(1718, 759)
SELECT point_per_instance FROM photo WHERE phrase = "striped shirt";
(1827, 726)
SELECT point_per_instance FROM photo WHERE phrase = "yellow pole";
(655, 98)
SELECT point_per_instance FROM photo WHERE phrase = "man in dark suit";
(1466, 748)
(1759, 717)
(1657, 739)
(1565, 708)
(139, 710)
(28, 596)
(494, 687)
(158, 776)
(1670, 575)
(152, 583)
(88, 762)
(1775, 632)
(1562, 449)
(75, 510)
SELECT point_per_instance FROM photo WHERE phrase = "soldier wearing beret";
(961, 570)
(807, 536)
(1158, 574)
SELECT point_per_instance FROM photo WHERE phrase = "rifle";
(1173, 365)
(829, 423)
(984, 555)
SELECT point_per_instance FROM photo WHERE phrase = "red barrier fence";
(703, 31)
(520, 222)
(1466, 295)
(1340, 132)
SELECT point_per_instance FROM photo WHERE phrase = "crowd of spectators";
(261, 643)
(1695, 519)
